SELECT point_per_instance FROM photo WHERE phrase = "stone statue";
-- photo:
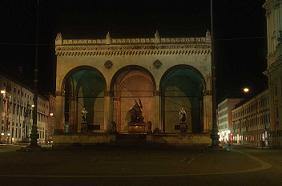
(182, 115)
(136, 113)
(182, 119)
(84, 114)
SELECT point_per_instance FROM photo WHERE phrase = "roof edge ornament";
(157, 37)
(208, 35)
(108, 38)
(59, 39)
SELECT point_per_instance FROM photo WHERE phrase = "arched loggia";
(182, 87)
(83, 87)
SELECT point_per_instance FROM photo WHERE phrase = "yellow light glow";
(32, 106)
(3, 91)
(246, 90)
(51, 114)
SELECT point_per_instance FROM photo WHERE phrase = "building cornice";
(133, 46)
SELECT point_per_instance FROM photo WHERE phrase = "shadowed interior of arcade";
(182, 88)
(84, 90)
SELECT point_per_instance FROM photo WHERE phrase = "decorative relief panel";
(157, 64)
(108, 64)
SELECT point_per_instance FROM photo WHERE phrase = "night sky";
(240, 33)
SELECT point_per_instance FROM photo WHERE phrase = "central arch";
(128, 85)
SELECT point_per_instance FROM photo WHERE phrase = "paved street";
(104, 165)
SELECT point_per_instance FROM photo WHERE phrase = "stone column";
(157, 121)
(59, 116)
(107, 111)
(207, 112)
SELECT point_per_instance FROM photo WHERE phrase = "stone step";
(131, 136)
(131, 139)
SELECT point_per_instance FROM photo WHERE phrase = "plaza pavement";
(139, 165)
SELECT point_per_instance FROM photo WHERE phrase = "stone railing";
(133, 46)
(133, 41)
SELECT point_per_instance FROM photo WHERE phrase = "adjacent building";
(274, 67)
(224, 118)
(16, 105)
(251, 121)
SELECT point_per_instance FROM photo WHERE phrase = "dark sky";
(240, 30)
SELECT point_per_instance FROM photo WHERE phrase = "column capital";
(207, 93)
(157, 93)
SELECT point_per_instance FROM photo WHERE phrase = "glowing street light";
(3, 92)
(51, 114)
(246, 90)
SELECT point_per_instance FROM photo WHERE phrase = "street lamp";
(2, 135)
(214, 131)
(34, 133)
(246, 90)
(9, 135)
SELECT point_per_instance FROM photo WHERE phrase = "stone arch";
(83, 87)
(132, 83)
(182, 86)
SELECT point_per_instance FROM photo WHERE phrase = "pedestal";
(136, 128)
(183, 127)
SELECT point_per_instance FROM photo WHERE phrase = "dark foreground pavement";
(106, 165)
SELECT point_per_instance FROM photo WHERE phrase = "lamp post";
(34, 133)
(214, 132)
(2, 134)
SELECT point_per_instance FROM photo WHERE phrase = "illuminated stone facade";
(274, 66)
(251, 121)
(16, 102)
(224, 118)
(106, 77)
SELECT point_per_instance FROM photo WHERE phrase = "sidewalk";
(250, 146)
(9, 147)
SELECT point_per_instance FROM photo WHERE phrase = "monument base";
(136, 128)
(182, 127)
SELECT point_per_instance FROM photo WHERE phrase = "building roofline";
(249, 99)
(15, 80)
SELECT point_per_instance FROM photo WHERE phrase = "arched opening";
(84, 89)
(129, 85)
(182, 87)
